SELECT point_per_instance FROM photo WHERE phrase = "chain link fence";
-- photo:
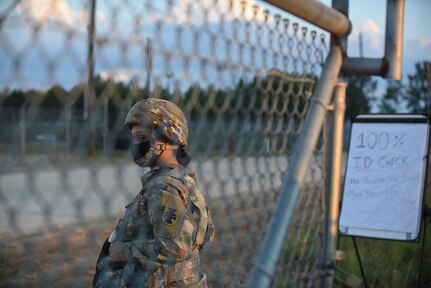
(69, 73)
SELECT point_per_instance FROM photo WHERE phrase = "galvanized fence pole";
(333, 174)
(91, 97)
(394, 37)
(264, 268)
(332, 162)
(317, 14)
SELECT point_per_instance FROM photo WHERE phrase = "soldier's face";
(142, 152)
(140, 134)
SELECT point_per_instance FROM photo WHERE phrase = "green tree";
(51, 105)
(14, 99)
(418, 96)
(391, 100)
(361, 92)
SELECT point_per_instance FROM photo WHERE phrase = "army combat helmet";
(166, 119)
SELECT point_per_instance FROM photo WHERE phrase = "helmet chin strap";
(164, 147)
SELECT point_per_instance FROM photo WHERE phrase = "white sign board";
(385, 177)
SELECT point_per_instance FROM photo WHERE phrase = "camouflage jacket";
(166, 223)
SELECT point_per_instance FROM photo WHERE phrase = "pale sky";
(367, 16)
(370, 17)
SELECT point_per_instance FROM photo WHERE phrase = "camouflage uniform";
(167, 223)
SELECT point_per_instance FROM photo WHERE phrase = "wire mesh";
(244, 78)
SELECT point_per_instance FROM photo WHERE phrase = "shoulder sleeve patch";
(169, 216)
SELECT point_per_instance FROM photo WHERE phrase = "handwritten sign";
(385, 174)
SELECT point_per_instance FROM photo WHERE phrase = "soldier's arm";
(172, 229)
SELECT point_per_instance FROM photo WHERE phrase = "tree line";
(281, 96)
(410, 96)
(259, 95)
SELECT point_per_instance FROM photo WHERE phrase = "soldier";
(158, 240)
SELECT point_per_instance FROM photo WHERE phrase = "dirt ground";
(66, 257)
(62, 258)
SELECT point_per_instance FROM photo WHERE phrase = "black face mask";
(139, 150)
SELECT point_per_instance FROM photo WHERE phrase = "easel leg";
(427, 214)
(360, 262)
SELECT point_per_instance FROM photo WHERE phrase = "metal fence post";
(91, 96)
(333, 162)
(394, 37)
(22, 129)
(264, 268)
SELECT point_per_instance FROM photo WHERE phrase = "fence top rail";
(317, 14)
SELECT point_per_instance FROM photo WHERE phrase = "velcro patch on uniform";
(170, 216)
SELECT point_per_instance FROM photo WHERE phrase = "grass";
(388, 263)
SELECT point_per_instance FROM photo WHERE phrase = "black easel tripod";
(426, 219)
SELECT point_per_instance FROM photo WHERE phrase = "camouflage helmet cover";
(161, 114)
